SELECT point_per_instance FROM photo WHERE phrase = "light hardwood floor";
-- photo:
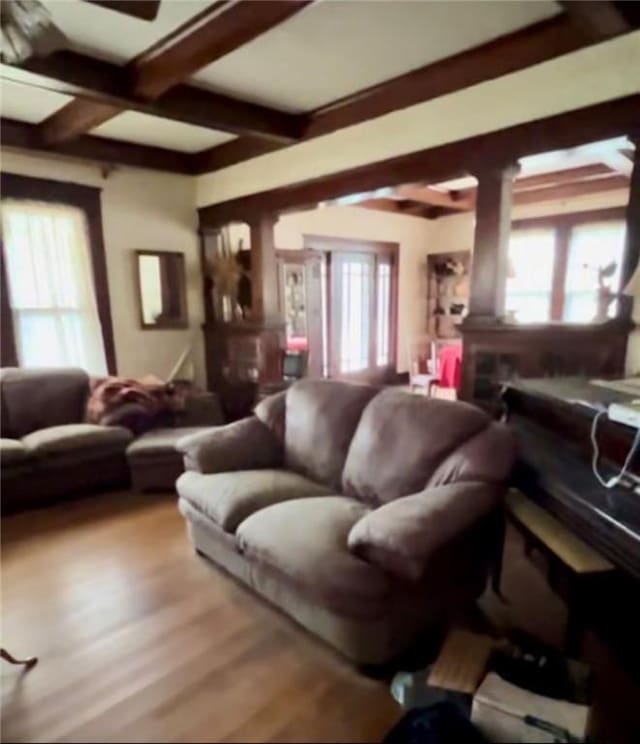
(139, 639)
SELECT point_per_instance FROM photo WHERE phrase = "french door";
(349, 307)
(361, 315)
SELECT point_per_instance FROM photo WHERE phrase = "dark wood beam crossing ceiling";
(152, 82)
(106, 83)
(222, 27)
(511, 53)
(146, 10)
(27, 136)
(444, 162)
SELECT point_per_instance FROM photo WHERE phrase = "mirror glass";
(161, 289)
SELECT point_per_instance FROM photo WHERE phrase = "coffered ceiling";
(205, 84)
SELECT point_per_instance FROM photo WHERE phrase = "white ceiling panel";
(337, 47)
(132, 126)
(116, 37)
(26, 103)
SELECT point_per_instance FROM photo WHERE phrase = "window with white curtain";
(51, 289)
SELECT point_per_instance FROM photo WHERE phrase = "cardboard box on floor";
(502, 711)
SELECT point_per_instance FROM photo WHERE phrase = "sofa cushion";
(321, 417)
(159, 442)
(401, 439)
(13, 452)
(305, 542)
(487, 457)
(272, 411)
(81, 438)
(403, 535)
(242, 445)
(35, 399)
(228, 498)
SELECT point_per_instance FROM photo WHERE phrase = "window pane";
(51, 286)
(354, 314)
(593, 271)
(530, 275)
(383, 319)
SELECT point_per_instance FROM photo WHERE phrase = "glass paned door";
(352, 310)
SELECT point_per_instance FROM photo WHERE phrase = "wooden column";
(264, 271)
(491, 242)
(632, 247)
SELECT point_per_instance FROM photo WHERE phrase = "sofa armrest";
(243, 445)
(401, 536)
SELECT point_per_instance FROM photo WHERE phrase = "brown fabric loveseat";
(367, 515)
(47, 450)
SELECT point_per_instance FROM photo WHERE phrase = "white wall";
(141, 209)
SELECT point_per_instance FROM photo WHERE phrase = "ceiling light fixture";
(27, 30)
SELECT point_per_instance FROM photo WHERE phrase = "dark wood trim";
(571, 129)
(570, 218)
(491, 243)
(8, 350)
(529, 46)
(561, 258)
(25, 136)
(329, 244)
(632, 246)
(166, 323)
(231, 25)
(145, 10)
(86, 198)
(108, 83)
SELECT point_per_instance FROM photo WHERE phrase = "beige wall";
(140, 210)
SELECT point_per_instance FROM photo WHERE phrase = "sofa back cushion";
(321, 417)
(401, 440)
(35, 399)
(487, 457)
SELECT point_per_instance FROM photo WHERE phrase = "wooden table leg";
(27, 663)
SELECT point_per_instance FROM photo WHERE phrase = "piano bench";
(573, 568)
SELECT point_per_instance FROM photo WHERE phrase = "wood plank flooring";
(139, 639)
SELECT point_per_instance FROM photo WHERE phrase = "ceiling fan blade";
(146, 10)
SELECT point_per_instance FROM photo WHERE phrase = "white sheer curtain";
(51, 288)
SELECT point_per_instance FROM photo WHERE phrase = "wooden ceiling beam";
(571, 190)
(106, 83)
(532, 45)
(27, 137)
(597, 19)
(444, 162)
(222, 27)
(232, 24)
(434, 197)
(145, 10)
(553, 178)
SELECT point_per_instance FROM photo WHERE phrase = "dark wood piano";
(553, 419)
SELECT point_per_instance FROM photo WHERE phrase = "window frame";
(562, 225)
(88, 199)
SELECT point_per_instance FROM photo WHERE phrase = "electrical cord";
(596, 454)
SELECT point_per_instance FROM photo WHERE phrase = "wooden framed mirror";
(162, 291)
